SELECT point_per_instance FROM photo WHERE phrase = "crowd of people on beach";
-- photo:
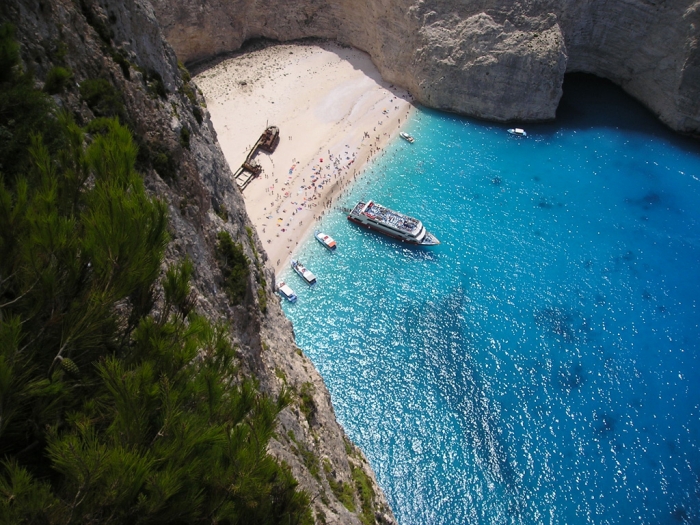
(302, 187)
(297, 88)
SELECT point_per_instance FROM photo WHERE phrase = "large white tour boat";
(392, 223)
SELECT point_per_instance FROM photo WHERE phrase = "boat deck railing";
(391, 218)
(357, 210)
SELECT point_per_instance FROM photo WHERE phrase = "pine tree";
(110, 413)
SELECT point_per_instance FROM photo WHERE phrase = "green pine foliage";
(343, 491)
(184, 73)
(56, 80)
(103, 98)
(9, 53)
(111, 413)
(306, 402)
(234, 266)
(161, 159)
(185, 137)
(176, 286)
(167, 439)
(23, 109)
(363, 485)
(119, 57)
(307, 456)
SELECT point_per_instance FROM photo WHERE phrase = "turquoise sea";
(542, 364)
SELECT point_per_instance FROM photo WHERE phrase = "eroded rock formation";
(494, 59)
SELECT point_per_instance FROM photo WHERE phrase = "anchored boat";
(326, 240)
(407, 137)
(286, 292)
(518, 132)
(376, 217)
(305, 274)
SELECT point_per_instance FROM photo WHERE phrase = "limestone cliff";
(120, 41)
(495, 59)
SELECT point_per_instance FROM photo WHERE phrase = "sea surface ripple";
(540, 365)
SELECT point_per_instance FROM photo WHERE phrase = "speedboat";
(326, 240)
(518, 132)
(309, 278)
(286, 292)
(407, 137)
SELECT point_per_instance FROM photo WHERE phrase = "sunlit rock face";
(494, 59)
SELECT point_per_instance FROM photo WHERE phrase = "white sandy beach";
(334, 113)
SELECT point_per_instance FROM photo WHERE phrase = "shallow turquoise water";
(540, 365)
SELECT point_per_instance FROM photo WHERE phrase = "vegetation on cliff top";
(112, 411)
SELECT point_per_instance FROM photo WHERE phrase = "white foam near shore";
(334, 113)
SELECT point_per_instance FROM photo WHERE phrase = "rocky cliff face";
(121, 41)
(495, 59)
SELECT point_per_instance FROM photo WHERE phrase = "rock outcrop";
(121, 41)
(495, 59)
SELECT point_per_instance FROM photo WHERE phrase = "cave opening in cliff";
(587, 100)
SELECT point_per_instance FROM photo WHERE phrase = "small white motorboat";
(518, 132)
(305, 274)
(286, 292)
(407, 137)
(326, 240)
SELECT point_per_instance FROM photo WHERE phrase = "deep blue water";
(540, 365)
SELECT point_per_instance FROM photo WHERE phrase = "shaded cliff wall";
(648, 47)
(500, 60)
(121, 42)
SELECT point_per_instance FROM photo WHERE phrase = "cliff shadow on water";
(586, 103)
